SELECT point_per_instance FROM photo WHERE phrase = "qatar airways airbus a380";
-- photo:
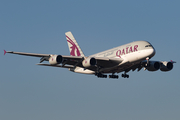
(131, 56)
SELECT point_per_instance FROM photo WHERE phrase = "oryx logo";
(74, 49)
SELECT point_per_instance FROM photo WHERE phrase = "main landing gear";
(125, 75)
(100, 75)
(114, 76)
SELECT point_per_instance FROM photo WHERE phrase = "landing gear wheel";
(100, 75)
(114, 76)
(125, 76)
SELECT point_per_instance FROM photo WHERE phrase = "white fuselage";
(131, 53)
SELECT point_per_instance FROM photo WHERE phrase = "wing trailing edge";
(56, 65)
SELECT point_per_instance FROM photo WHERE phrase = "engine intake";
(88, 62)
(153, 66)
(166, 66)
(55, 59)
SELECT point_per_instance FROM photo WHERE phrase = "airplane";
(131, 56)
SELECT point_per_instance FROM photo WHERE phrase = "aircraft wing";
(45, 57)
(41, 55)
(72, 61)
(102, 62)
(27, 54)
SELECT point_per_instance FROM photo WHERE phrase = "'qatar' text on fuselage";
(127, 50)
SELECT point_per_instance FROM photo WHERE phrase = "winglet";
(173, 61)
(4, 52)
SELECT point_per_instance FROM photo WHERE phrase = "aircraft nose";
(152, 52)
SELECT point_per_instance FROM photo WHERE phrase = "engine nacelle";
(166, 66)
(55, 59)
(153, 66)
(89, 62)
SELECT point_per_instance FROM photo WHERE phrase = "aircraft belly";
(117, 69)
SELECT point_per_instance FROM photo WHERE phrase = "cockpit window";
(148, 46)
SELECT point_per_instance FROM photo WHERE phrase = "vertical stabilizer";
(74, 48)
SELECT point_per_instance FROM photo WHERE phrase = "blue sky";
(33, 92)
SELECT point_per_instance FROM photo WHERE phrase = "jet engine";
(153, 66)
(88, 62)
(166, 66)
(55, 59)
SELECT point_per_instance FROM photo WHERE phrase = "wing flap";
(55, 65)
